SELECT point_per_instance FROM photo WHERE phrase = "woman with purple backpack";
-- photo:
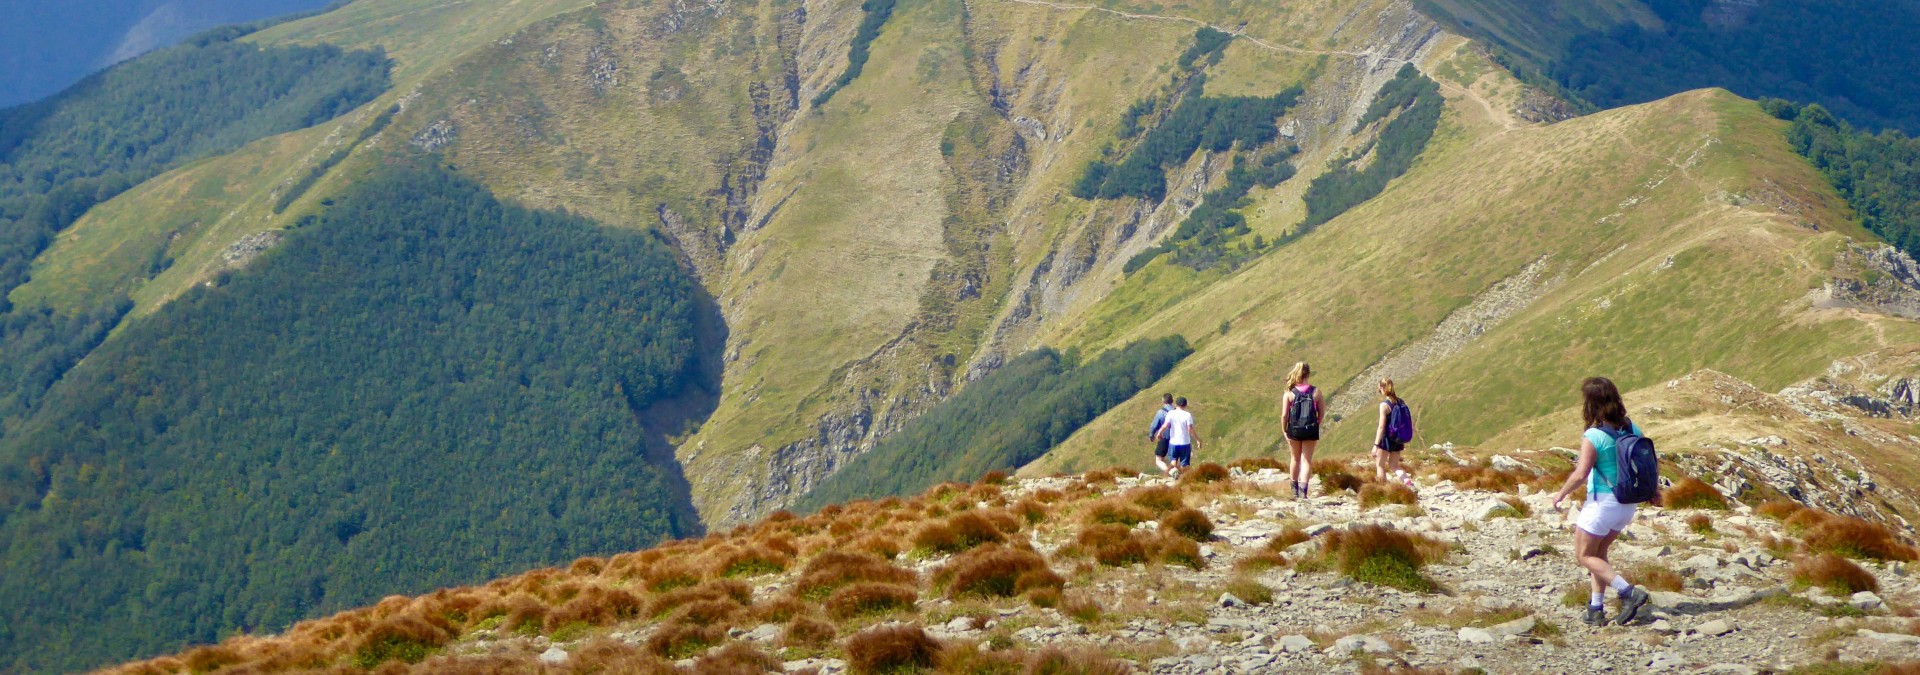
(1391, 435)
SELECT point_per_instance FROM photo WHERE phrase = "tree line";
(1414, 102)
(1878, 174)
(1001, 421)
(425, 387)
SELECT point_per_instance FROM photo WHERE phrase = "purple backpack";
(1400, 422)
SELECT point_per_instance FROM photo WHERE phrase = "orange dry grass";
(808, 633)
(1837, 575)
(1334, 480)
(1287, 538)
(1158, 498)
(1189, 523)
(1845, 535)
(891, 649)
(1485, 477)
(678, 641)
(867, 598)
(1382, 494)
(597, 606)
(1204, 473)
(1252, 464)
(831, 570)
(959, 532)
(997, 571)
(1117, 512)
(737, 658)
(720, 590)
(1690, 493)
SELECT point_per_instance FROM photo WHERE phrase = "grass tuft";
(807, 633)
(1253, 592)
(1336, 480)
(869, 598)
(1200, 474)
(1158, 499)
(1700, 523)
(956, 533)
(891, 649)
(1189, 523)
(998, 572)
(1838, 576)
(1690, 493)
(1384, 556)
(678, 641)
(1381, 494)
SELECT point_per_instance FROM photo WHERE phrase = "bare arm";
(1581, 468)
(1319, 406)
(1380, 431)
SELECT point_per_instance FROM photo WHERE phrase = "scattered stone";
(1488, 508)
(1230, 600)
(1666, 661)
(1505, 463)
(1515, 627)
(1678, 603)
(1715, 628)
(1662, 625)
(1361, 643)
(1891, 638)
(1317, 529)
(1477, 636)
(1729, 669)
(769, 631)
(1866, 601)
(958, 625)
(553, 656)
(1599, 663)
(1294, 644)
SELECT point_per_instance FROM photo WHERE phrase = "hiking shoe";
(1596, 617)
(1173, 472)
(1630, 605)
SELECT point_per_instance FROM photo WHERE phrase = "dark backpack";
(1636, 475)
(1301, 420)
(1400, 422)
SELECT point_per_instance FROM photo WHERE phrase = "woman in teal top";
(1602, 518)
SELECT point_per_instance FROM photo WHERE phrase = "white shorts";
(1603, 515)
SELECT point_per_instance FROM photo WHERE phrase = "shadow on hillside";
(675, 418)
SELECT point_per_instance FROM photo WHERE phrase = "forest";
(423, 387)
(62, 155)
(1205, 239)
(1414, 102)
(1854, 57)
(1001, 421)
(1196, 122)
(1878, 174)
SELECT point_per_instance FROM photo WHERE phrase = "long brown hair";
(1386, 387)
(1603, 404)
(1301, 371)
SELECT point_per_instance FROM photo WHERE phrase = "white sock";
(1597, 599)
(1620, 585)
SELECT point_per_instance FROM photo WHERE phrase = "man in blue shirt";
(1160, 441)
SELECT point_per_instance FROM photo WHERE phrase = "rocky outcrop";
(1873, 278)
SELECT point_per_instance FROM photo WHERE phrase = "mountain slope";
(423, 387)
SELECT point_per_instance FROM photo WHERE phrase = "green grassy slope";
(1705, 178)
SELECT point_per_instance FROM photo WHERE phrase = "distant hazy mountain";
(45, 46)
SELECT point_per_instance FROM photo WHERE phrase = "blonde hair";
(1301, 371)
(1386, 387)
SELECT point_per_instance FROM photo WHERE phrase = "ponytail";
(1301, 371)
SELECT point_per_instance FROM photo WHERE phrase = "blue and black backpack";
(1636, 476)
(1400, 422)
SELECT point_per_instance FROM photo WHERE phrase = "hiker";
(1304, 408)
(1153, 432)
(1391, 435)
(1180, 437)
(1612, 496)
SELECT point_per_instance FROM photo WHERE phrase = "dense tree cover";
(876, 14)
(1001, 421)
(1878, 174)
(1196, 122)
(423, 388)
(61, 156)
(1854, 57)
(1415, 104)
(1205, 239)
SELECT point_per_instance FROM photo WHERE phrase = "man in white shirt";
(1181, 437)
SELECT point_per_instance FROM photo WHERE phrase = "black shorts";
(1160, 447)
(1390, 445)
(1307, 436)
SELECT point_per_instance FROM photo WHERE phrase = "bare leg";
(1293, 461)
(1393, 463)
(1306, 463)
(1592, 554)
(1379, 464)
